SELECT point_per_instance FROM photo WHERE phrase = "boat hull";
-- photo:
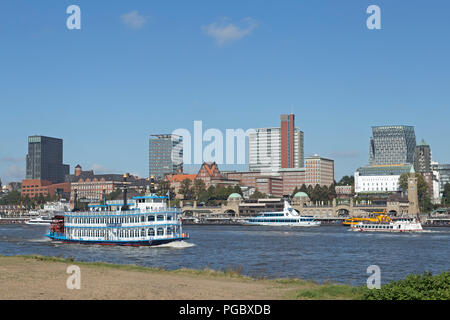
(283, 224)
(410, 228)
(38, 223)
(386, 231)
(136, 243)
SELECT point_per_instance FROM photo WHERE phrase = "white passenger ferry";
(41, 221)
(397, 225)
(147, 222)
(288, 217)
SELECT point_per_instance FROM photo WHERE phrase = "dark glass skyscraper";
(422, 160)
(45, 159)
(392, 145)
(165, 154)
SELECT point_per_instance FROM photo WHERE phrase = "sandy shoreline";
(42, 278)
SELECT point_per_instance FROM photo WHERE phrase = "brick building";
(92, 186)
(35, 188)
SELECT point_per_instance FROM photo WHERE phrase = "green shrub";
(413, 287)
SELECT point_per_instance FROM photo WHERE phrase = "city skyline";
(154, 70)
(192, 168)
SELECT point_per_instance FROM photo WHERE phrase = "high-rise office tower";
(392, 145)
(44, 160)
(165, 154)
(287, 140)
(422, 158)
(271, 149)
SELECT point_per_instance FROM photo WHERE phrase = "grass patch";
(92, 264)
(230, 272)
(329, 291)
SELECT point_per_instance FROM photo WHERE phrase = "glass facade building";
(44, 160)
(165, 154)
(443, 172)
(392, 145)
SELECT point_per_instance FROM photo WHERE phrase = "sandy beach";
(42, 278)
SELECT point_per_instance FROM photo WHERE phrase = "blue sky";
(143, 67)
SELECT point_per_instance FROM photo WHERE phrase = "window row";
(125, 233)
(118, 220)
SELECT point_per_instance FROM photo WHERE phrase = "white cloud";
(99, 169)
(13, 173)
(225, 32)
(133, 19)
(12, 159)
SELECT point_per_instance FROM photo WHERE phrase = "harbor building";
(175, 181)
(319, 171)
(392, 145)
(396, 205)
(44, 160)
(209, 173)
(272, 149)
(270, 184)
(165, 155)
(292, 178)
(91, 187)
(35, 188)
(380, 178)
(442, 174)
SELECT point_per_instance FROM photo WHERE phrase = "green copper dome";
(234, 196)
(301, 195)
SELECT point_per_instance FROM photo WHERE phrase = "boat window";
(160, 218)
(142, 219)
(160, 232)
(169, 230)
(151, 218)
(151, 232)
(169, 218)
(142, 232)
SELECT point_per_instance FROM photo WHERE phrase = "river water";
(321, 253)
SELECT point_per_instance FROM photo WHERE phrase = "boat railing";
(121, 213)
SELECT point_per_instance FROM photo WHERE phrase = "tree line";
(318, 193)
(196, 190)
(15, 198)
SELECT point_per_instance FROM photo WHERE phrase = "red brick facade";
(35, 188)
(287, 140)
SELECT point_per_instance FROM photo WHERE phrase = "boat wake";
(176, 244)
(435, 231)
(40, 240)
